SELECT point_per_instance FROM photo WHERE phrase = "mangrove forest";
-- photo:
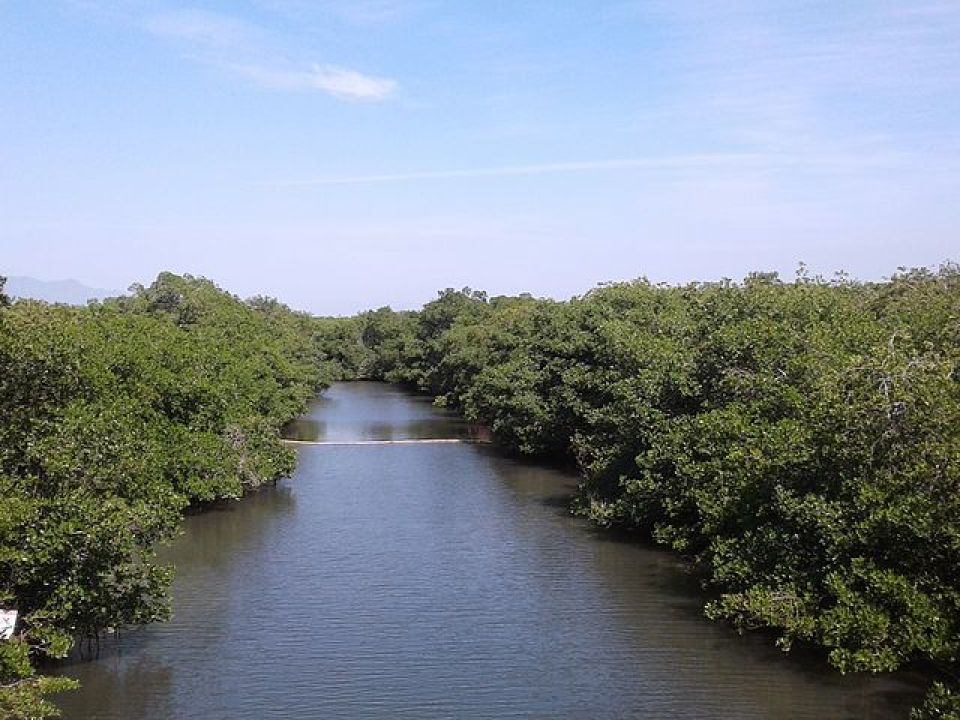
(796, 442)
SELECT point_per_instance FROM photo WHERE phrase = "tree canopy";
(116, 417)
(799, 441)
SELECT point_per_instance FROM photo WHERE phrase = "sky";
(347, 155)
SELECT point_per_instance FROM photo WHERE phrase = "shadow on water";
(135, 671)
(684, 588)
(140, 686)
(563, 504)
(630, 563)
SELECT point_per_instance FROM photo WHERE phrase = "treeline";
(114, 418)
(800, 441)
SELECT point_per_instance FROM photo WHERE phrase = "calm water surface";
(438, 581)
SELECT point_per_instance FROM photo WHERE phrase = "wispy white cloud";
(200, 27)
(248, 51)
(339, 82)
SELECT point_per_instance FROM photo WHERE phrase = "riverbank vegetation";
(799, 441)
(116, 418)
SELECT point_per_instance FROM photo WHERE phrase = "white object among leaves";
(8, 619)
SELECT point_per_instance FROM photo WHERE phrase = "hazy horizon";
(100, 293)
(347, 156)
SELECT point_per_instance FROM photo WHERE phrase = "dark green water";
(438, 581)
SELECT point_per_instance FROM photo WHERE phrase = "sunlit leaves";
(115, 417)
(800, 441)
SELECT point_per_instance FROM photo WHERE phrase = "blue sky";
(345, 155)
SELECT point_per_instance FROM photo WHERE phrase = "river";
(438, 581)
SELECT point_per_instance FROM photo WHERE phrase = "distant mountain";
(70, 292)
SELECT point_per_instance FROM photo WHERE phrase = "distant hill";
(70, 292)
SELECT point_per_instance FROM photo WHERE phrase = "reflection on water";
(429, 581)
(375, 411)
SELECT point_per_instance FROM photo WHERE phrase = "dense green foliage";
(116, 417)
(800, 441)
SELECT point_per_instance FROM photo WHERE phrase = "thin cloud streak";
(678, 162)
(201, 28)
(341, 83)
(833, 163)
(239, 47)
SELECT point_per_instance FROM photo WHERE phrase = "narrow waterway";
(438, 581)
